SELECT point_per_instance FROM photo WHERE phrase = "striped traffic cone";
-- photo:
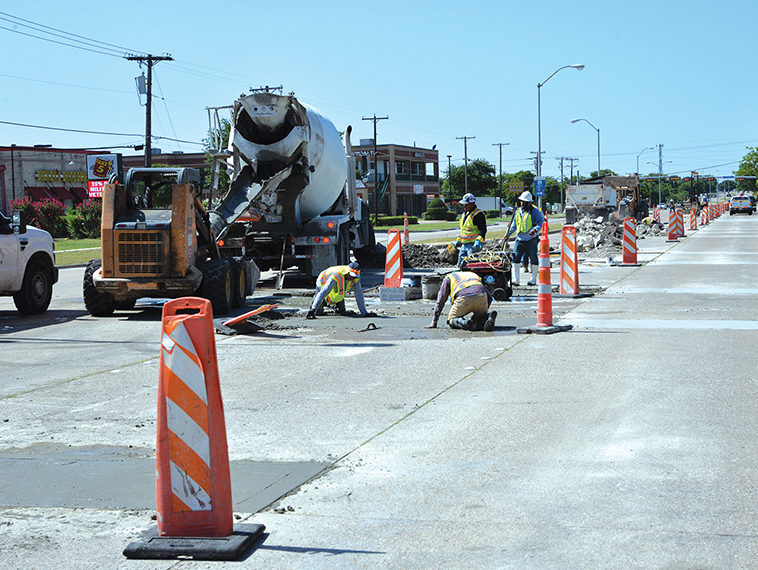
(693, 219)
(569, 276)
(657, 214)
(629, 243)
(673, 232)
(406, 232)
(193, 487)
(544, 293)
(393, 267)
(680, 223)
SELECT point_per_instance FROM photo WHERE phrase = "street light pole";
(576, 66)
(598, 141)
(638, 158)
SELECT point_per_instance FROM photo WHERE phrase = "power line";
(67, 36)
(69, 130)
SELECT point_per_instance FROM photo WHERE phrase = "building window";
(400, 168)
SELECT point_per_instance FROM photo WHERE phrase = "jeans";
(466, 250)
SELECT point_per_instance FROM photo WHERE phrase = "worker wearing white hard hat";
(473, 226)
(527, 221)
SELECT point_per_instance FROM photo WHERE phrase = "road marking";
(590, 323)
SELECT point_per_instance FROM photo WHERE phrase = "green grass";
(65, 256)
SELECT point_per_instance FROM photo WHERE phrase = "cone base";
(151, 546)
(544, 330)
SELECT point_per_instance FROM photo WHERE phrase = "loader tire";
(217, 285)
(97, 304)
(239, 282)
(124, 304)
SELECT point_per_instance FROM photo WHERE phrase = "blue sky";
(681, 74)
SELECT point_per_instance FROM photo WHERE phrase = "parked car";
(741, 204)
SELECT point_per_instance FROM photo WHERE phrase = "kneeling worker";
(469, 296)
(333, 285)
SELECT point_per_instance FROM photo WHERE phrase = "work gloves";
(311, 314)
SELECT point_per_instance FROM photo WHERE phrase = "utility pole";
(149, 60)
(572, 161)
(537, 162)
(450, 175)
(465, 162)
(500, 178)
(561, 159)
(375, 120)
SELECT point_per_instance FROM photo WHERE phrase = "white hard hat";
(468, 199)
(526, 197)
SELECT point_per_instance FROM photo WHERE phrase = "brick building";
(408, 177)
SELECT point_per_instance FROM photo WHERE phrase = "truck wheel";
(217, 285)
(97, 304)
(36, 289)
(239, 282)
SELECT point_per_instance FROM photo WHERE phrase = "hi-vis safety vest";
(339, 273)
(523, 220)
(469, 230)
(459, 280)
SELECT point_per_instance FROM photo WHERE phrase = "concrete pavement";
(628, 442)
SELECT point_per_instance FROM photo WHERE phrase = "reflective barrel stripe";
(393, 269)
(187, 422)
(629, 245)
(569, 278)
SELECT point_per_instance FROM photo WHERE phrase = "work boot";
(535, 274)
(462, 323)
(489, 324)
(516, 273)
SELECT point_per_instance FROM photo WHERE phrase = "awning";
(63, 193)
(80, 193)
(40, 193)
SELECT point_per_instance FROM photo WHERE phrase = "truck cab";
(27, 264)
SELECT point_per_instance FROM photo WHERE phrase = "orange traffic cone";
(406, 232)
(193, 486)
(693, 219)
(673, 234)
(544, 293)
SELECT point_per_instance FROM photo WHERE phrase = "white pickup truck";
(27, 264)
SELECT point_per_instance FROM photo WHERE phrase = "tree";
(481, 180)
(748, 167)
(222, 134)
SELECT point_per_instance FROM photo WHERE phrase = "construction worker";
(469, 297)
(333, 284)
(528, 222)
(473, 226)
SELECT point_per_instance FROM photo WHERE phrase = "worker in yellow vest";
(469, 296)
(527, 221)
(333, 284)
(473, 226)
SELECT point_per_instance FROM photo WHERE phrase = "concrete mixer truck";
(292, 199)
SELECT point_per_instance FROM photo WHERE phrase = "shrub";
(492, 214)
(50, 217)
(47, 214)
(437, 211)
(83, 220)
(396, 220)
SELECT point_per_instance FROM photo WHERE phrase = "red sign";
(95, 189)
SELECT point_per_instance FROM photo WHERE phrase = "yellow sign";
(516, 187)
(65, 176)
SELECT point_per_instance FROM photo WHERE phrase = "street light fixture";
(638, 157)
(598, 141)
(576, 66)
